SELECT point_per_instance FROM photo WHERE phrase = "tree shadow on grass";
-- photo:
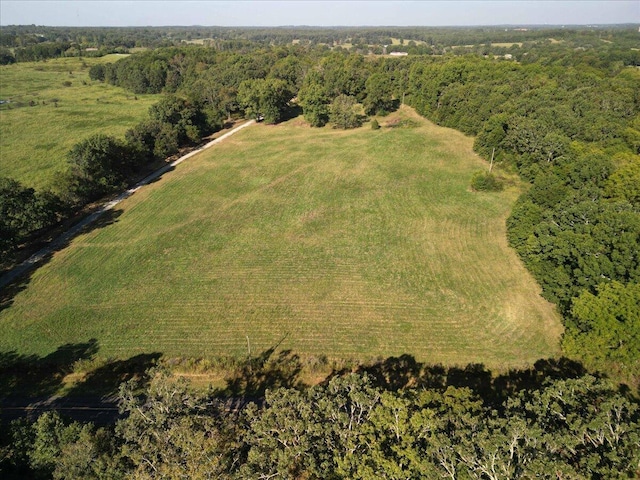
(31, 385)
(294, 110)
(267, 371)
(104, 382)
(95, 398)
(271, 369)
(29, 377)
(18, 278)
(396, 373)
(168, 168)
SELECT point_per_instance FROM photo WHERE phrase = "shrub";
(485, 182)
(344, 112)
(96, 72)
(375, 125)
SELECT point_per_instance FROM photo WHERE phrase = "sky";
(317, 13)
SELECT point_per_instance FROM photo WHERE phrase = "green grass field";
(37, 134)
(352, 244)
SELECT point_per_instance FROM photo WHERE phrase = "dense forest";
(559, 107)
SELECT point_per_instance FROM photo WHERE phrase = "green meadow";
(52, 106)
(350, 244)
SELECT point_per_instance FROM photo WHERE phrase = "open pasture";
(52, 106)
(352, 244)
(398, 41)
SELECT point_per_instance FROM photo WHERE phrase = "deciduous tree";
(98, 166)
(379, 90)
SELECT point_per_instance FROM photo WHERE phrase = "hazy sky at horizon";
(316, 13)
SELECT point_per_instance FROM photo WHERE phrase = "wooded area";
(353, 426)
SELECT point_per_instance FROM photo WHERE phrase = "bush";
(96, 72)
(485, 182)
(375, 125)
(6, 57)
(344, 112)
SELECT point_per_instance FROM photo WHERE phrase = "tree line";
(347, 427)
(610, 44)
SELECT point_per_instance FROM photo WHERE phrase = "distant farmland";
(52, 106)
(345, 243)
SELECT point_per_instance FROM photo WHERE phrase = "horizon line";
(546, 25)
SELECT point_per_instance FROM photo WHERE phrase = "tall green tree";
(268, 98)
(96, 72)
(290, 70)
(275, 98)
(314, 100)
(23, 211)
(50, 438)
(379, 90)
(98, 165)
(171, 432)
(184, 117)
(624, 183)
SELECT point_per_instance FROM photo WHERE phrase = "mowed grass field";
(350, 244)
(37, 134)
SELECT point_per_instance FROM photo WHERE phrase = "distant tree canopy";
(604, 48)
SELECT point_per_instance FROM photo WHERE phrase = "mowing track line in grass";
(37, 257)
